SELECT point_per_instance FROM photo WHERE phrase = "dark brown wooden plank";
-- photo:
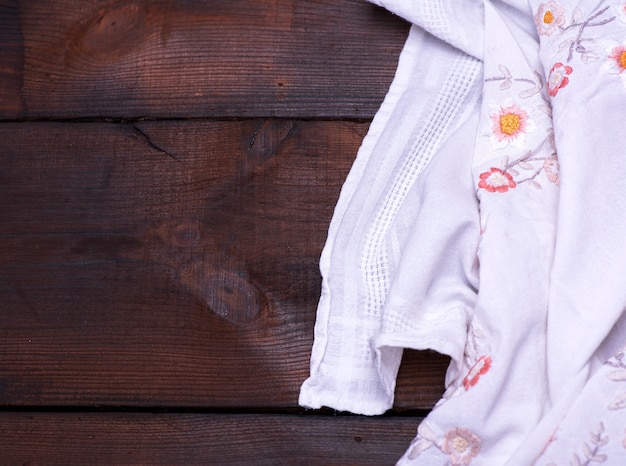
(420, 382)
(11, 58)
(169, 263)
(131, 438)
(166, 58)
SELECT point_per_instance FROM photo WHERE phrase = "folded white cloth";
(459, 229)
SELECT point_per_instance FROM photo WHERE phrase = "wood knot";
(186, 235)
(231, 296)
(112, 32)
(180, 235)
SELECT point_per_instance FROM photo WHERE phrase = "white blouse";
(459, 229)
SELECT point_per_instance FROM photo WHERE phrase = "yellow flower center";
(622, 60)
(460, 444)
(510, 123)
(548, 17)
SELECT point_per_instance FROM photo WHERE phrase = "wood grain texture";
(169, 263)
(189, 439)
(11, 59)
(191, 58)
(168, 172)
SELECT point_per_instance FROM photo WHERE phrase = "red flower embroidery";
(480, 368)
(496, 180)
(558, 78)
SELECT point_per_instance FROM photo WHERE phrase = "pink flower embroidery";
(480, 368)
(509, 125)
(618, 56)
(496, 180)
(461, 445)
(549, 17)
(558, 78)
(551, 169)
(616, 63)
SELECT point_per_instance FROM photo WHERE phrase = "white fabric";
(372, 223)
(459, 229)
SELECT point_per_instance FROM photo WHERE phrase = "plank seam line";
(156, 410)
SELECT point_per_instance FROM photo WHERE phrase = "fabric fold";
(459, 23)
(382, 200)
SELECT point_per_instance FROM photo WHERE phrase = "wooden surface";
(168, 172)
(200, 439)
(196, 58)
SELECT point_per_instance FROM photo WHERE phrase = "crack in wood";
(273, 134)
(151, 144)
(254, 135)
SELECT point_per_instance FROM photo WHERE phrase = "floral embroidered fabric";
(484, 218)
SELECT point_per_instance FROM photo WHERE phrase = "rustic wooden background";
(168, 169)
